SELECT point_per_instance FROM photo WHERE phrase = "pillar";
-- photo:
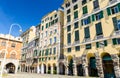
(115, 59)
(75, 68)
(58, 68)
(52, 69)
(38, 69)
(99, 65)
(42, 69)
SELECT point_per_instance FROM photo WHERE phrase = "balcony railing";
(76, 42)
(117, 32)
(112, 1)
(96, 9)
(99, 37)
(87, 40)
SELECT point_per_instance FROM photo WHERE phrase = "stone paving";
(31, 75)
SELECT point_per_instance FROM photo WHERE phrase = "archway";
(108, 67)
(49, 69)
(10, 67)
(54, 69)
(92, 67)
(70, 65)
(79, 70)
(61, 68)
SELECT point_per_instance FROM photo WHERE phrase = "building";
(92, 38)
(51, 35)
(13, 52)
(28, 49)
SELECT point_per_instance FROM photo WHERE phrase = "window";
(84, 2)
(50, 40)
(42, 27)
(77, 48)
(75, 14)
(55, 50)
(67, 4)
(55, 15)
(99, 15)
(69, 38)
(68, 28)
(85, 10)
(50, 51)
(75, 25)
(46, 33)
(116, 41)
(55, 30)
(2, 54)
(55, 39)
(88, 46)
(77, 35)
(46, 25)
(68, 11)
(96, 4)
(56, 20)
(13, 45)
(13, 56)
(3, 43)
(68, 18)
(116, 23)
(73, 1)
(75, 7)
(69, 49)
(87, 32)
(86, 21)
(99, 29)
(102, 43)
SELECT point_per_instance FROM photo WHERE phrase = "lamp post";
(4, 59)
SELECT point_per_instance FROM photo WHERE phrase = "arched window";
(2, 54)
(13, 55)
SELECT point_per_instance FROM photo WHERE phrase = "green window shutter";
(99, 29)
(101, 14)
(97, 44)
(105, 43)
(81, 22)
(42, 27)
(108, 11)
(85, 10)
(87, 32)
(114, 19)
(93, 17)
(119, 6)
(89, 19)
(69, 38)
(114, 41)
(75, 14)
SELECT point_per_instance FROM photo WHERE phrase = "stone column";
(38, 69)
(99, 65)
(66, 70)
(58, 68)
(115, 59)
(75, 67)
(85, 65)
(52, 69)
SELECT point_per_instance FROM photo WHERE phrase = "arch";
(54, 68)
(79, 69)
(10, 67)
(108, 67)
(70, 65)
(61, 68)
(49, 69)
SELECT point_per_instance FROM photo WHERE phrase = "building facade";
(91, 38)
(51, 35)
(28, 50)
(13, 52)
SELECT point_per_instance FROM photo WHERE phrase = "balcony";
(99, 37)
(76, 42)
(116, 33)
(96, 9)
(87, 40)
(112, 1)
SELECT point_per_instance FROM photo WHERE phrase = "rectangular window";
(88, 46)
(77, 35)
(99, 15)
(99, 29)
(86, 21)
(116, 41)
(85, 10)
(102, 43)
(55, 50)
(77, 48)
(3, 43)
(76, 25)
(87, 32)
(84, 2)
(73, 1)
(75, 14)
(69, 38)
(116, 24)
(55, 39)
(96, 4)
(50, 40)
(42, 27)
(68, 28)
(13, 45)
(68, 11)
(68, 18)
(46, 25)
(69, 49)
(75, 7)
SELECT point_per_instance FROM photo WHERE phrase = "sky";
(26, 13)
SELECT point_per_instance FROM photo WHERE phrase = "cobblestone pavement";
(29, 75)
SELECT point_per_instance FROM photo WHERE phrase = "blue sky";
(24, 12)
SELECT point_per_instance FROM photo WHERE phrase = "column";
(52, 68)
(42, 69)
(66, 71)
(75, 68)
(99, 65)
(58, 69)
(115, 59)
(38, 69)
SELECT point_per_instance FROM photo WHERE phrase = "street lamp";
(2, 65)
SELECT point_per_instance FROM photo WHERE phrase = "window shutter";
(97, 44)
(93, 17)
(87, 32)
(119, 6)
(99, 29)
(75, 14)
(82, 22)
(77, 35)
(105, 43)
(101, 14)
(108, 11)
(114, 41)
(89, 19)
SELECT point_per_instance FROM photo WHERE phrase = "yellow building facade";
(50, 42)
(91, 38)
